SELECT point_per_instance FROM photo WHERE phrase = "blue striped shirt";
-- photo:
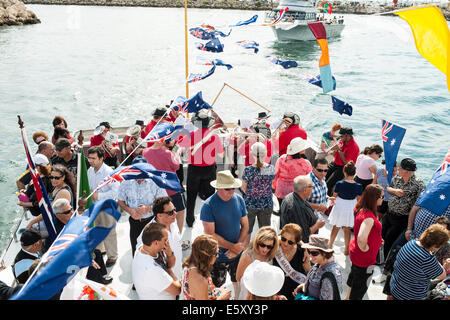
(413, 270)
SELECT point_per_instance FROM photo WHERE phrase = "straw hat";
(263, 279)
(134, 130)
(296, 145)
(226, 180)
(317, 242)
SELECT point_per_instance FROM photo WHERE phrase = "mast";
(186, 46)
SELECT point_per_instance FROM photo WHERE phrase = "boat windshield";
(291, 16)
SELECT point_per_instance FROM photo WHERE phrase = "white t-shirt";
(363, 163)
(175, 242)
(149, 278)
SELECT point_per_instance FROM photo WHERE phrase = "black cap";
(139, 159)
(262, 115)
(346, 131)
(29, 237)
(62, 143)
(140, 122)
(159, 112)
(105, 124)
(408, 164)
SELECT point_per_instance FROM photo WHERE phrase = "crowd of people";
(336, 183)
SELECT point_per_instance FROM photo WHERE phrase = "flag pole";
(186, 46)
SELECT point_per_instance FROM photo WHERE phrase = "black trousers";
(198, 183)
(97, 274)
(136, 227)
(358, 280)
(392, 227)
(334, 174)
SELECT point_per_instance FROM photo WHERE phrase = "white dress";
(342, 213)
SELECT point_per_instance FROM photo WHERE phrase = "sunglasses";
(314, 253)
(322, 170)
(67, 211)
(228, 189)
(170, 213)
(55, 178)
(382, 197)
(262, 245)
(288, 241)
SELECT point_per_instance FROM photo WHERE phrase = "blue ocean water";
(116, 64)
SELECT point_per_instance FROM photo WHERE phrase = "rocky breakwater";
(14, 12)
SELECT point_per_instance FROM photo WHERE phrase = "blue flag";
(71, 251)
(194, 77)
(317, 82)
(246, 22)
(192, 105)
(163, 179)
(210, 62)
(436, 196)
(341, 106)
(201, 33)
(213, 45)
(284, 63)
(249, 44)
(392, 136)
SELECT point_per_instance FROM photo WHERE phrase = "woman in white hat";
(256, 183)
(289, 166)
(324, 280)
(263, 281)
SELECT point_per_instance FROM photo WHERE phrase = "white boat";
(294, 24)
(121, 270)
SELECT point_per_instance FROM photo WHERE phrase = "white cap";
(40, 159)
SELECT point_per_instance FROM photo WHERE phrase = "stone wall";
(14, 12)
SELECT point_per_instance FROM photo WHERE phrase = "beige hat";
(134, 130)
(317, 242)
(263, 279)
(296, 145)
(259, 148)
(226, 180)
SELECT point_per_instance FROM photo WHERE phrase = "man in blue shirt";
(224, 216)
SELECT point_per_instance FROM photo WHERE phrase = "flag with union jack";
(392, 136)
(41, 194)
(194, 77)
(213, 45)
(69, 253)
(192, 105)
(436, 196)
(163, 179)
(249, 44)
(209, 62)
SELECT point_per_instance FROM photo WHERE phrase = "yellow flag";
(431, 35)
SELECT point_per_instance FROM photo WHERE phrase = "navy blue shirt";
(347, 190)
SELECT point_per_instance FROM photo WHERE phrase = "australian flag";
(246, 22)
(194, 77)
(41, 194)
(284, 63)
(209, 62)
(392, 136)
(213, 45)
(317, 82)
(163, 179)
(436, 196)
(341, 106)
(192, 105)
(69, 253)
(201, 33)
(249, 44)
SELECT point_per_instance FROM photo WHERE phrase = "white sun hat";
(262, 279)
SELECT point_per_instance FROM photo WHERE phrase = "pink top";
(162, 159)
(363, 163)
(286, 169)
(365, 259)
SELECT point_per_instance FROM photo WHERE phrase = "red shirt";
(351, 152)
(147, 130)
(97, 140)
(285, 138)
(205, 153)
(365, 259)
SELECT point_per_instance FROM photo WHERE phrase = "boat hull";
(303, 33)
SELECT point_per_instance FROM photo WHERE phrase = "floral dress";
(212, 291)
